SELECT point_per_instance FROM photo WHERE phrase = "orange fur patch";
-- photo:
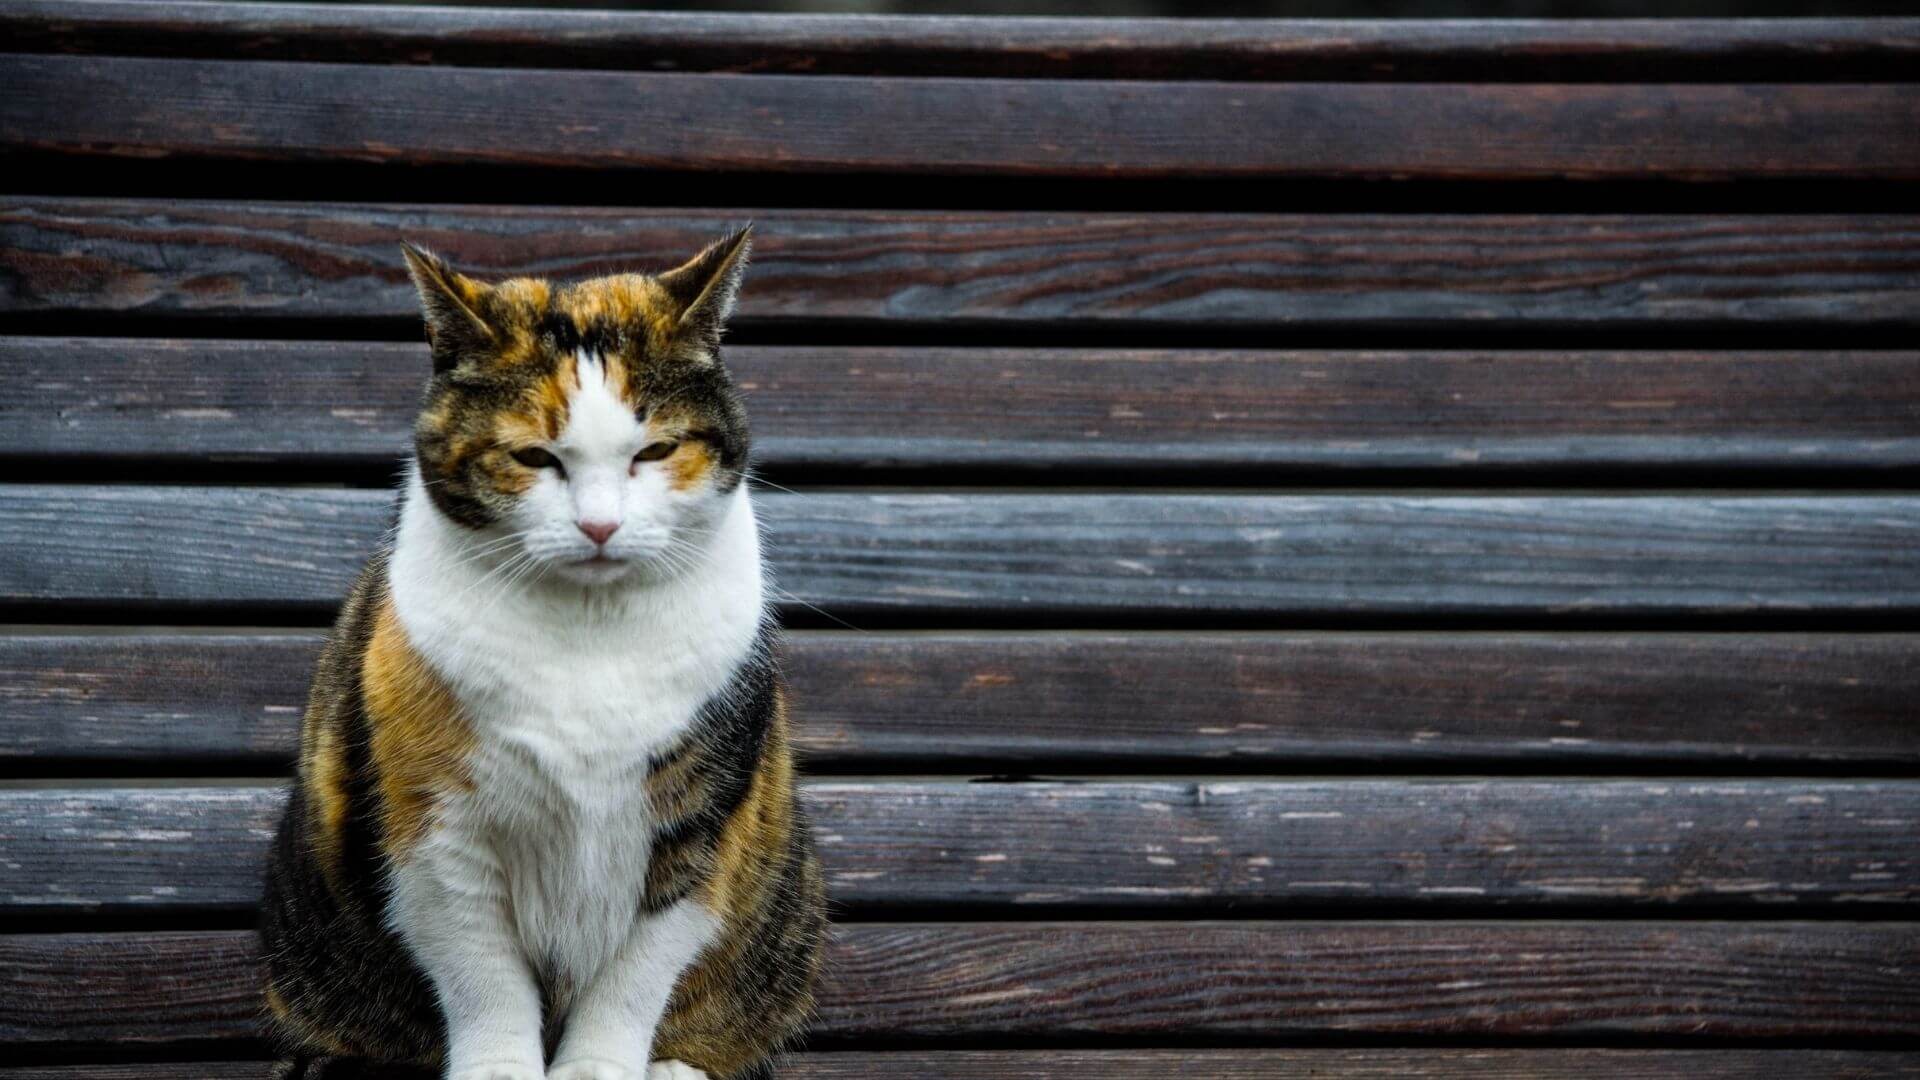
(532, 294)
(760, 825)
(618, 299)
(512, 430)
(689, 465)
(548, 399)
(704, 1024)
(634, 300)
(420, 742)
(325, 765)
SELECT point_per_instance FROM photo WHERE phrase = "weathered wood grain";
(1133, 411)
(1080, 556)
(828, 124)
(955, 269)
(1684, 50)
(1253, 1064)
(1777, 981)
(160, 699)
(1012, 701)
(1198, 846)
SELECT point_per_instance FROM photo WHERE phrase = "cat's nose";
(598, 531)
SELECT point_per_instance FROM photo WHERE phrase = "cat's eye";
(656, 451)
(534, 457)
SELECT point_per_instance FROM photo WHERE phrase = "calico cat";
(545, 825)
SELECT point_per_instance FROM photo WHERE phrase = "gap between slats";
(41, 174)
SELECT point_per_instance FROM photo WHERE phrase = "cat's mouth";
(599, 569)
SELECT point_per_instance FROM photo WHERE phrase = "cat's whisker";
(501, 544)
(756, 478)
(501, 571)
(815, 608)
(476, 555)
(533, 567)
(480, 553)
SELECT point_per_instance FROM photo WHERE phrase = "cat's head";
(589, 427)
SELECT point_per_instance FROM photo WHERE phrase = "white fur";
(571, 679)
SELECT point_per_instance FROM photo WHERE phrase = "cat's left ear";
(705, 286)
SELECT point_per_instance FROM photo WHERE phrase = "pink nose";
(598, 531)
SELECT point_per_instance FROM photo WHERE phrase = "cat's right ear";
(451, 302)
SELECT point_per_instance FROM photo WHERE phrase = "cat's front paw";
(591, 1069)
(674, 1070)
(501, 1070)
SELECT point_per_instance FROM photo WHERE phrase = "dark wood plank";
(86, 258)
(1011, 701)
(1253, 1064)
(1685, 50)
(1393, 700)
(1096, 129)
(1132, 411)
(1692, 980)
(1208, 845)
(1078, 556)
(168, 701)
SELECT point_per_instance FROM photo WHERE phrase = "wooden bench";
(1378, 549)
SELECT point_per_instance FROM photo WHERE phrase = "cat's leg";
(609, 1033)
(451, 908)
(674, 1070)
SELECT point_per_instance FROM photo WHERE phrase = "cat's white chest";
(568, 702)
(559, 797)
(569, 850)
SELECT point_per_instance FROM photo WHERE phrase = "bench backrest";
(1415, 479)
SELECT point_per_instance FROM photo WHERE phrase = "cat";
(545, 823)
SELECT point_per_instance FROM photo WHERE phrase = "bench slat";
(1052, 701)
(1260, 1064)
(1096, 129)
(930, 557)
(1138, 845)
(1192, 412)
(1852, 49)
(245, 261)
(1689, 980)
